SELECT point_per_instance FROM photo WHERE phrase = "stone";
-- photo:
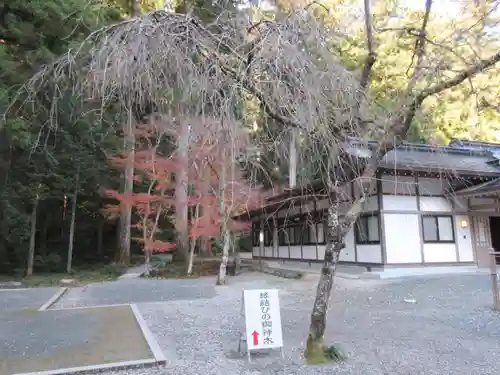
(67, 281)
(11, 285)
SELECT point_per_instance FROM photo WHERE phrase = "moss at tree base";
(316, 353)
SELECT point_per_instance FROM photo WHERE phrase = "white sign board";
(262, 319)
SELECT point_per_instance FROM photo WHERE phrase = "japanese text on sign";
(262, 319)
(267, 323)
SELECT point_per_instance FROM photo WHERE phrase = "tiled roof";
(467, 158)
(486, 188)
(447, 160)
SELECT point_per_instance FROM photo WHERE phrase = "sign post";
(262, 320)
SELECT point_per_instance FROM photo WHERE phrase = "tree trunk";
(226, 234)
(136, 8)
(128, 188)
(193, 242)
(43, 237)
(292, 164)
(72, 224)
(181, 196)
(147, 261)
(221, 280)
(191, 256)
(335, 243)
(100, 229)
(31, 250)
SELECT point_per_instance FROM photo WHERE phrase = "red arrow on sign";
(255, 335)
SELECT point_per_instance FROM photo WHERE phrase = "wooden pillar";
(494, 279)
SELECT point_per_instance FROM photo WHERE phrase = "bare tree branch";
(419, 50)
(372, 56)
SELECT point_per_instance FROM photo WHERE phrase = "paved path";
(33, 341)
(125, 291)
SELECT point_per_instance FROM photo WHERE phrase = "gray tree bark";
(72, 224)
(128, 188)
(181, 197)
(31, 249)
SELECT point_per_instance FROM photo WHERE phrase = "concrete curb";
(90, 307)
(54, 299)
(150, 339)
(96, 368)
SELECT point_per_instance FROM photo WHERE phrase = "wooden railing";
(494, 279)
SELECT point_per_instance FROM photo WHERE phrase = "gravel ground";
(450, 329)
(137, 290)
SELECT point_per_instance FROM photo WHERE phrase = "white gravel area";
(445, 326)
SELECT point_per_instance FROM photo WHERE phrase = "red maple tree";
(222, 193)
(152, 199)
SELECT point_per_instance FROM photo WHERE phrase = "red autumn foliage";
(152, 177)
(213, 173)
(217, 177)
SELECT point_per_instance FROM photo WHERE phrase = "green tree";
(41, 145)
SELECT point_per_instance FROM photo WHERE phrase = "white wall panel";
(309, 252)
(440, 253)
(348, 253)
(371, 204)
(321, 252)
(398, 185)
(400, 203)
(402, 238)
(283, 252)
(295, 252)
(435, 204)
(464, 239)
(369, 253)
(432, 186)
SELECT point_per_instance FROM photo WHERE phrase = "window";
(298, 231)
(289, 236)
(438, 229)
(255, 234)
(313, 234)
(268, 237)
(367, 230)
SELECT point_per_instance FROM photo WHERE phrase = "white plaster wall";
(283, 252)
(295, 252)
(309, 252)
(440, 252)
(461, 204)
(372, 190)
(255, 251)
(348, 253)
(464, 239)
(345, 192)
(369, 253)
(402, 238)
(432, 186)
(400, 203)
(321, 252)
(325, 203)
(371, 204)
(482, 201)
(435, 204)
(398, 185)
(275, 242)
(268, 252)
